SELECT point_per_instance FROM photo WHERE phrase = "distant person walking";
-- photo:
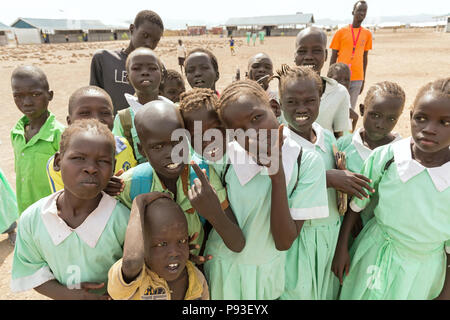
(248, 35)
(181, 51)
(351, 45)
(232, 46)
(254, 38)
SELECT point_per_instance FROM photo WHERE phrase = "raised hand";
(348, 182)
(115, 185)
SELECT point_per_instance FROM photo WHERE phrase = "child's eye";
(36, 94)
(392, 119)
(183, 241)
(157, 147)
(77, 158)
(420, 119)
(161, 244)
(446, 123)
(256, 118)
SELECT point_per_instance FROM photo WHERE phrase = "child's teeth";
(172, 165)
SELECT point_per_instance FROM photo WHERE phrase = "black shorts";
(181, 61)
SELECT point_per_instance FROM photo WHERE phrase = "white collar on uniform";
(246, 168)
(320, 138)
(89, 231)
(134, 103)
(364, 152)
(408, 168)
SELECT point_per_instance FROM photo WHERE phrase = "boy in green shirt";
(35, 137)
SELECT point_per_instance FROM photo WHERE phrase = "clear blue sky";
(210, 10)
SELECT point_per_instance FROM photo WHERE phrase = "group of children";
(109, 211)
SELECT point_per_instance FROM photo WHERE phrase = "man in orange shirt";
(350, 45)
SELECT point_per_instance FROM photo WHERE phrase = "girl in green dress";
(401, 252)
(8, 209)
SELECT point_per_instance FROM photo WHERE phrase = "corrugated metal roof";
(4, 26)
(64, 24)
(298, 18)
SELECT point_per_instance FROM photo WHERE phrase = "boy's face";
(246, 113)
(209, 120)
(342, 77)
(260, 66)
(86, 165)
(144, 72)
(90, 106)
(430, 123)
(381, 116)
(167, 240)
(311, 51)
(31, 96)
(172, 90)
(147, 35)
(359, 14)
(300, 103)
(158, 145)
(200, 72)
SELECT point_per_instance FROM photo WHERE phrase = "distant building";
(444, 21)
(196, 30)
(5, 34)
(288, 25)
(56, 30)
(216, 30)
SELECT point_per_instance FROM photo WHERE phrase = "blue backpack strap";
(192, 175)
(142, 180)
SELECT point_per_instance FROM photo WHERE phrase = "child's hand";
(86, 295)
(202, 195)
(198, 260)
(348, 182)
(115, 185)
(341, 262)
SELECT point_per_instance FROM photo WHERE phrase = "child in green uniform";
(8, 209)
(67, 242)
(35, 138)
(145, 72)
(155, 125)
(92, 102)
(270, 205)
(155, 263)
(381, 110)
(300, 89)
(401, 252)
(202, 69)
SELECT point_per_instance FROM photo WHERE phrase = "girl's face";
(31, 96)
(380, 118)
(249, 112)
(209, 120)
(172, 90)
(430, 123)
(200, 72)
(311, 52)
(342, 77)
(144, 72)
(92, 106)
(260, 66)
(300, 103)
(86, 165)
(167, 242)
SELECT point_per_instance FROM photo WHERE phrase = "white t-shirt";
(181, 50)
(334, 107)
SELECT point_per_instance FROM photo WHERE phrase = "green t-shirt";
(30, 159)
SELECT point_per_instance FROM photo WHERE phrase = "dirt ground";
(409, 58)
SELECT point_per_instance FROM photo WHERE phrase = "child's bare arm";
(445, 293)
(205, 201)
(284, 229)
(53, 289)
(133, 250)
(341, 260)
(348, 182)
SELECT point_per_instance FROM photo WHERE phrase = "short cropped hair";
(171, 74)
(211, 56)
(335, 68)
(86, 125)
(148, 15)
(87, 90)
(439, 88)
(25, 72)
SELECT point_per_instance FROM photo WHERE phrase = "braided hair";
(198, 98)
(439, 88)
(384, 89)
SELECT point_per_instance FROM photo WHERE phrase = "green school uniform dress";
(132, 181)
(30, 159)
(355, 155)
(400, 253)
(257, 272)
(47, 248)
(8, 204)
(318, 237)
(119, 131)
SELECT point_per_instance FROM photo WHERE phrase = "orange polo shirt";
(343, 43)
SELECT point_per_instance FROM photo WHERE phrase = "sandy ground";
(410, 59)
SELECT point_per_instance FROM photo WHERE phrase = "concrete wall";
(274, 32)
(3, 39)
(28, 36)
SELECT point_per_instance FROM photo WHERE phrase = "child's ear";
(217, 76)
(361, 109)
(326, 54)
(50, 95)
(410, 114)
(131, 28)
(57, 161)
(69, 122)
(140, 150)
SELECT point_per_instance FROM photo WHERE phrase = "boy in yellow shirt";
(86, 103)
(155, 264)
